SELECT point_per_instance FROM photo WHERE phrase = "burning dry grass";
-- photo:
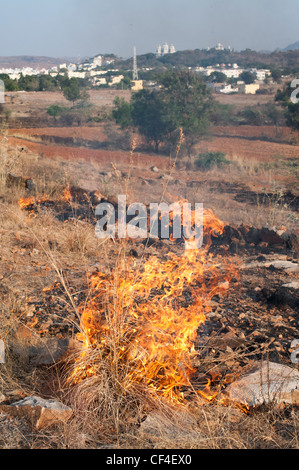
(138, 327)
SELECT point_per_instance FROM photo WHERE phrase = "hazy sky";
(76, 28)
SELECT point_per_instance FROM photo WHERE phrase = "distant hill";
(193, 58)
(34, 61)
(292, 47)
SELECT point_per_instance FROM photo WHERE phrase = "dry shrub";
(79, 237)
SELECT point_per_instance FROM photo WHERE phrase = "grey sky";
(87, 27)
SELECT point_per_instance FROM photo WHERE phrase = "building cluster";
(15, 74)
(90, 69)
(165, 49)
(233, 71)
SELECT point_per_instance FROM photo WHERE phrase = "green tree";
(125, 84)
(248, 77)
(9, 83)
(276, 75)
(293, 116)
(189, 104)
(122, 113)
(217, 77)
(150, 116)
(29, 83)
(253, 116)
(72, 91)
(47, 83)
(183, 101)
(55, 110)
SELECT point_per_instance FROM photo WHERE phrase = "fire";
(29, 203)
(67, 196)
(26, 202)
(143, 322)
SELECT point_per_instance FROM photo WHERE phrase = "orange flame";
(145, 322)
(67, 196)
(25, 202)
(28, 203)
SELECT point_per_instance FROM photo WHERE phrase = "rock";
(264, 235)
(287, 294)
(49, 352)
(13, 180)
(292, 241)
(271, 237)
(292, 285)
(155, 169)
(267, 383)
(166, 178)
(227, 340)
(288, 266)
(252, 236)
(30, 184)
(3, 398)
(39, 412)
(214, 316)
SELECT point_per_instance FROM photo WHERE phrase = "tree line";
(42, 82)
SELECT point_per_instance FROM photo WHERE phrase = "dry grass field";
(155, 335)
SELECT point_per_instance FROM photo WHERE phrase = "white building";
(97, 81)
(95, 73)
(71, 67)
(232, 73)
(98, 60)
(76, 74)
(250, 89)
(226, 89)
(114, 80)
(165, 49)
(219, 47)
(261, 74)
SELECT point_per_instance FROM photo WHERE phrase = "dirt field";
(265, 133)
(240, 102)
(250, 146)
(23, 103)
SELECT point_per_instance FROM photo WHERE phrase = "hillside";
(292, 47)
(200, 57)
(33, 61)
